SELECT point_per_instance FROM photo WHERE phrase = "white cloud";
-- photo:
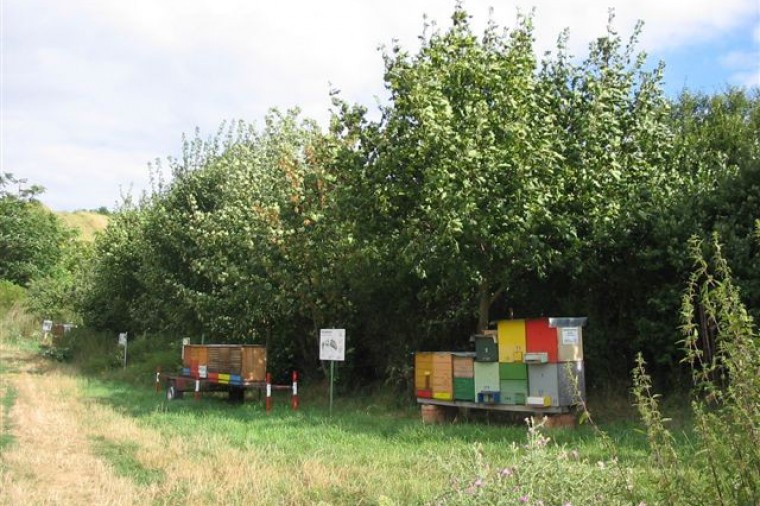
(93, 90)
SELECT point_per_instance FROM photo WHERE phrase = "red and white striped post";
(269, 393)
(294, 397)
(158, 379)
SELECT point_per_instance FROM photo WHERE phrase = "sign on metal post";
(332, 347)
(47, 326)
(123, 342)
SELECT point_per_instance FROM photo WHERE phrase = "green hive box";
(486, 350)
(513, 391)
(486, 377)
(464, 389)
(513, 371)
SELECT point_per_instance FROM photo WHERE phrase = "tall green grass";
(7, 399)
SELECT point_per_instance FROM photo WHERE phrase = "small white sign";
(123, 339)
(47, 325)
(332, 344)
(570, 335)
(185, 341)
(203, 371)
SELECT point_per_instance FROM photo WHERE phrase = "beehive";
(442, 381)
(559, 382)
(511, 339)
(464, 365)
(464, 389)
(486, 377)
(541, 338)
(513, 391)
(248, 361)
(423, 372)
(512, 371)
(569, 344)
(486, 349)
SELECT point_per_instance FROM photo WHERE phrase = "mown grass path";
(49, 458)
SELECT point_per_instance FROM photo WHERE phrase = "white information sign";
(570, 335)
(123, 339)
(332, 344)
(47, 325)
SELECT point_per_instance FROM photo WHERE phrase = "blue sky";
(91, 91)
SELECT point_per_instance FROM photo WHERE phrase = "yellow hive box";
(423, 370)
(511, 336)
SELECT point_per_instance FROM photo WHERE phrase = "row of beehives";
(533, 362)
(451, 376)
(245, 362)
(538, 340)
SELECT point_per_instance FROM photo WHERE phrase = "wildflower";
(507, 471)
(642, 503)
(575, 456)
(478, 483)
(568, 503)
(524, 498)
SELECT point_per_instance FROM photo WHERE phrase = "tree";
(30, 235)
(485, 168)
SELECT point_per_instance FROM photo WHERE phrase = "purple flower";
(478, 483)
(524, 498)
(507, 471)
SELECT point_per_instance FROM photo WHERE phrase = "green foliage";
(723, 351)
(493, 182)
(10, 295)
(30, 236)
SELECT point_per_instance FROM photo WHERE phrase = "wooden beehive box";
(249, 361)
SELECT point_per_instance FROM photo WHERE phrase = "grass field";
(137, 448)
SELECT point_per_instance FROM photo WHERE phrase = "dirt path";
(50, 459)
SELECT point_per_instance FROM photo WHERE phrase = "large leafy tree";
(487, 166)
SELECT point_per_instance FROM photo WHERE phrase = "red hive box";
(540, 337)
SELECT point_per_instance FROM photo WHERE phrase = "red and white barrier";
(269, 393)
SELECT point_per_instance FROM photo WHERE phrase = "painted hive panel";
(511, 340)
(464, 389)
(486, 349)
(513, 391)
(253, 361)
(423, 370)
(543, 381)
(569, 344)
(540, 337)
(464, 366)
(443, 375)
(486, 377)
(512, 371)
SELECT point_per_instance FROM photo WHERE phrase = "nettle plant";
(721, 346)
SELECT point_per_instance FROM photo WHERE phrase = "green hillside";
(86, 222)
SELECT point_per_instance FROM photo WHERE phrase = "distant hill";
(86, 222)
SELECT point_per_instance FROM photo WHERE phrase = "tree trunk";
(484, 305)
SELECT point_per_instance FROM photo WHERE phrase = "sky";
(91, 91)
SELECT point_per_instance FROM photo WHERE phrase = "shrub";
(721, 346)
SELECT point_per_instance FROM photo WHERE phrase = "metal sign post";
(123, 342)
(332, 347)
